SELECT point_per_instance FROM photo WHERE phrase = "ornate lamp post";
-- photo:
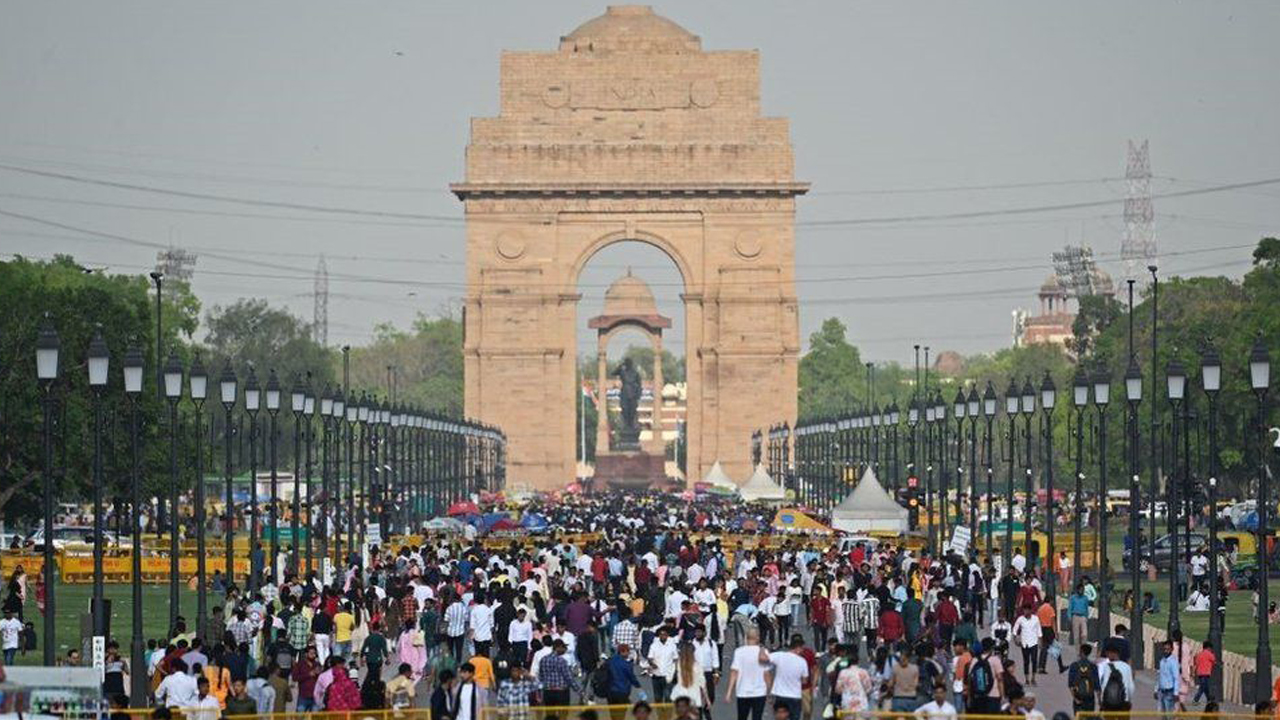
(930, 419)
(309, 434)
(1133, 393)
(1079, 399)
(974, 407)
(1028, 515)
(172, 375)
(944, 490)
(1049, 399)
(1176, 381)
(320, 526)
(894, 419)
(137, 645)
(228, 393)
(273, 409)
(989, 412)
(352, 413)
(252, 403)
(959, 408)
(913, 475)
(198, 383)
(99, 362)
(1211, 383)
(362, 418)
(1102, 396)
(47, 348)
(1011, 403)
(297, 403)
(1260, 381)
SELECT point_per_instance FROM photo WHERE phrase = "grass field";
(73, 602)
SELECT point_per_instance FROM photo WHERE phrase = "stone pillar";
(658, 444)
(602, 400)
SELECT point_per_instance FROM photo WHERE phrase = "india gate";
(629, 131)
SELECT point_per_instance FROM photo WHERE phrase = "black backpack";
(980, 679)
(1113, 693)
(601, 680)
(1083, 688)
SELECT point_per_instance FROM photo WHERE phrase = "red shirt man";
(891, 626)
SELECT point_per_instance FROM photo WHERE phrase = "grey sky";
(312, 102)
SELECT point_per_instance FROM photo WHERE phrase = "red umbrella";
(463, 508)
(505, 524)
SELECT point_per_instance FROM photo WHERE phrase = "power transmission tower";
(320, 316)
(1138, 249)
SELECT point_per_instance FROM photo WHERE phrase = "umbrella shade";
(463, 508)
(533, 521)
(504, 524)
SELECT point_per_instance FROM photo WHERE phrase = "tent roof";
(793, 518)
(716, 477)
(761, 487)
(869, 499)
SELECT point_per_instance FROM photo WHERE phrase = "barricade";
(1157, 715)
(571, 712)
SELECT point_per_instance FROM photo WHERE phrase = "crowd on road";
(655, 604)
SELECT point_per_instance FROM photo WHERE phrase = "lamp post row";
(418, 460)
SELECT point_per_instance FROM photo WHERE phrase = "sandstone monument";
(629, 131)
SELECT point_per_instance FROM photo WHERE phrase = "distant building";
(1076, 276)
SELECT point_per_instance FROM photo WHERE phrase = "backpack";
(980, 679)
(1083, 688)
(601, 680)
(1113, 693)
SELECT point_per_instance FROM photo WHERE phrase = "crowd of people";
(658, 603)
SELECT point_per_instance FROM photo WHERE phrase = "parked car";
(1162, 550)
(69, 537)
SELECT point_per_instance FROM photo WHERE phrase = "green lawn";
(1239, 633)
(73, 601)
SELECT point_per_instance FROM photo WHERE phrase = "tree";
(251, 334)
(77, 302)
(1096, 314)
(831, 373)
(425, 364)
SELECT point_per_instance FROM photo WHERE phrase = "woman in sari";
(411, 649)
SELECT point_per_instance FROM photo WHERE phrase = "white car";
(65, 536)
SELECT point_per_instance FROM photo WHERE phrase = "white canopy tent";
(869, 508)
(761, 488)
(716, 477)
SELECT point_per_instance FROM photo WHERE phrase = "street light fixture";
(133, 389)
(99, 364)
(273, 409)
(1176, 384)
(253, 403)
(297, 404)
(959, 408)
(1211, 383)
(1079, 399)
(47, 348)
(1260, 382)
(309, 433)
(198, 384)
(1028, 515)
(1133, 394)
(228, 393)
(1048, 400)
(975, 406)
(172, 375)
(1101, 397)
(1011, 405)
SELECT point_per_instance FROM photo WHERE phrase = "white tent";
(716, 477)
(868, 508)
(761, 487)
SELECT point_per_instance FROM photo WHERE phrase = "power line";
(967, 188)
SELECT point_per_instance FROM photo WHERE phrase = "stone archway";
(629, 131)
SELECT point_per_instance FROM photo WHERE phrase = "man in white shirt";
(938, 708)
(1026, 632)
(10, 636)
(178, 689)
(663, 653)
(481, 624)
(789, 670)
(1019, 561)
(519, 634)
(747, 678)
(675, 603)
(203, 706)
(1113, 664)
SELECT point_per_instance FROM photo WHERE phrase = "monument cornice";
(476, 190)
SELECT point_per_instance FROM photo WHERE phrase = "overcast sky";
(892, 106)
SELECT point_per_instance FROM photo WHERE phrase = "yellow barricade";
(405, 714)
(571, 712)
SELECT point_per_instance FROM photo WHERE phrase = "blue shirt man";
(1168, 679)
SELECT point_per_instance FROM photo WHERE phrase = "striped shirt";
(455, 618)
(626, 633)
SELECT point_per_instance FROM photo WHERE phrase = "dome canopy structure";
(629, 299)
(630, 28)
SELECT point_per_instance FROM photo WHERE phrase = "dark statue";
(628, 400)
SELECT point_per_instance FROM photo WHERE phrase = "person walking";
(1205, 660)
(1082, 681)
(748, 686)
(1026, 632)
(903, 685)
(1115, 678)
(789, 670)
(622, 677)
(662, 663)
(1168, 678)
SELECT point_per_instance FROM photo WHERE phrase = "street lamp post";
(321, 527)
(974, 406)
(273, 409)
(1048, 399)
(1133, 393)
(1211, 383)
(1102, 396)
(173, 392)
(1028, 515)
(252, 403)
(228, 393)
(1080, 399)
(132, 389)
(959, 408)
(940, 415)
(339, 417)
(1011, 404)
(308, 436)
(47, 348)
(352, 412)
(99, 363)
(930, 420)
(989, 412)
(297, 403)
(198, 380)
(894, 418)
(1260, 381)
(1176, 381)
(913, 473)
(362, 418)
